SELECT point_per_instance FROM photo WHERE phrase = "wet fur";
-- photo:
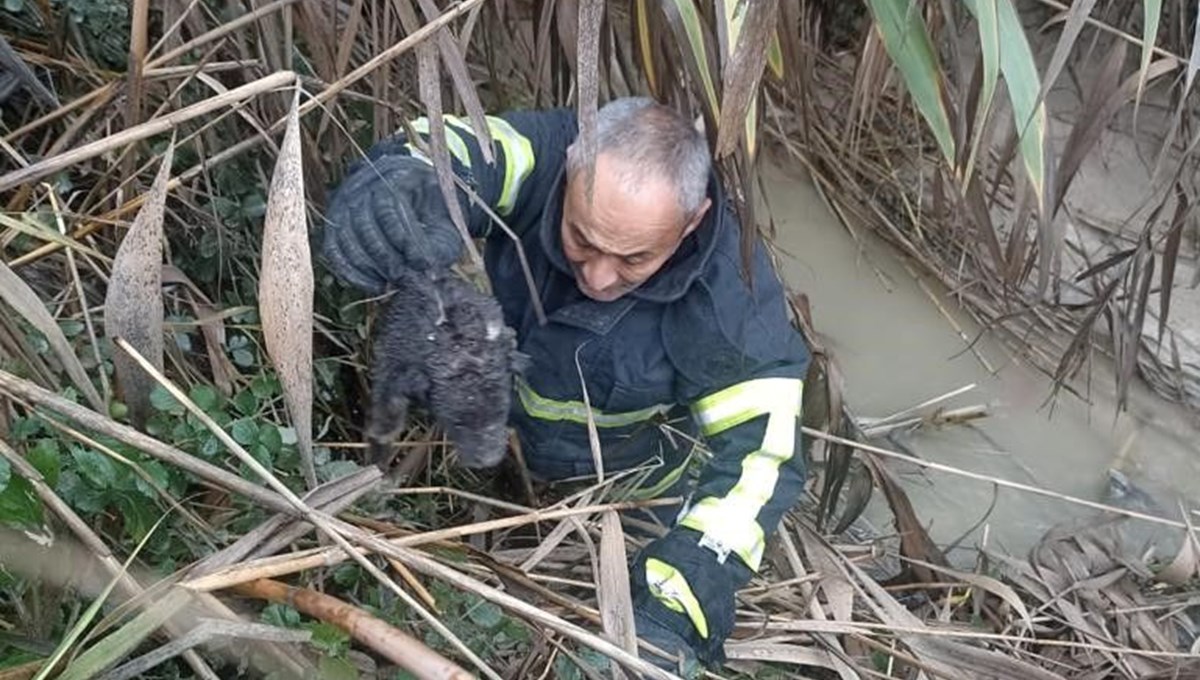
(441, 345)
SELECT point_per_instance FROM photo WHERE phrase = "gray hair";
(656, 141)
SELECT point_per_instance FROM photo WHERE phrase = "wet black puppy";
(442, 345)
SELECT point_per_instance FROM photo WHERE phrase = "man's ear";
(698, 216)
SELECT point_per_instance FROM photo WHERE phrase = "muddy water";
(897, 350)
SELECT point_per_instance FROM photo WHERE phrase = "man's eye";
(633, 260)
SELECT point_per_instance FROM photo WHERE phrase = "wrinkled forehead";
(626, 202)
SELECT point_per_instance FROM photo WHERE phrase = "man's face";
(625, 234)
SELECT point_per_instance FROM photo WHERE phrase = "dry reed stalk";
(126, 584)
(148, 129)
(418, 588)
(282, 565)
(433, 568)
(377, 634)
(327, 525)
(887, 453)
(221, 31)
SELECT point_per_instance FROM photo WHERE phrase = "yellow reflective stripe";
(457, 146)
(518, 161)
(672, 589)
(545, 408)
(730, 523)
(745, 401)
(657, 489)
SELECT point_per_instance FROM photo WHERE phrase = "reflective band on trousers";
(672, 589)
(545, 408)
(730, 522)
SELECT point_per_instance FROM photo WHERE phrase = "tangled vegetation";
(183, 491)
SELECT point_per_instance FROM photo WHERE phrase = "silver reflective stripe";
(544, 408)
(730, 522)
(457, 146)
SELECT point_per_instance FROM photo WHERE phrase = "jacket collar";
(676, 275)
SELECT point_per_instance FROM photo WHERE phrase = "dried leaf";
(646, 45)
(212, 327)
(1193, 62)
(431, 95)
(1151, 14)
(456, 64)
(133, 306)
(997, 588)
(1170, 256)
(948, 658)
(1102, 103)
(839, 594)
(286, 288)
(138, 34)
(1077, 16)
(1186, 564)
(696, 44)
(915, 542)
(591, 13)
(750, 34)
(18, 295)
(616, 602)
(14, 64)
(781, 653)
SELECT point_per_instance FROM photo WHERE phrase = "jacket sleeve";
(741, 366)
(528, 152)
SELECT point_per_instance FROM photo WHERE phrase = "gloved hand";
(683, 596)
(683, 662)
(388, 215)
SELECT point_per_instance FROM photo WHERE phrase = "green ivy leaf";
(137, 514)
(95, 467)
(79, 494)
(19, 504)
(46, 457)
(265, 387)
(25, 428)
(205, 397)
(270, 437)
(565, 669)
(211, 446)
(280, 615)
(164, 401)
(243, 358)
(329, 638)
(70, 328)
(5, 473)
(244, 431)
(157, 472)
(347, 575)
(262, 455)
(486, 615)
(246, 402)
(334, 668)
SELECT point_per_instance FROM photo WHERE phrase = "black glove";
(388, 215)
(683, 662)
(710, 587)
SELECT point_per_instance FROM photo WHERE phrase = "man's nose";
(600, 274)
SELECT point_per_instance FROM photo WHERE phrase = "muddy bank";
(900, 341)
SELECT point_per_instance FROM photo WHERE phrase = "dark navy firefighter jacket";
(694, 339)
